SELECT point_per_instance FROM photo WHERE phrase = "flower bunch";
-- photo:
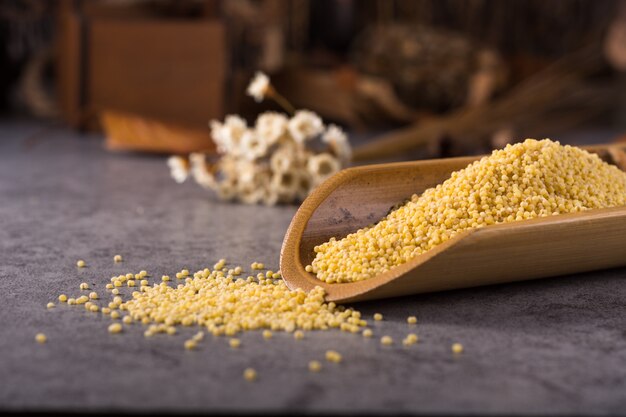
(279, 159)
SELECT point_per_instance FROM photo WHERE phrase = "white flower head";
(285, 182)
(259, 86)
(200, 171)
(283, 158)
(227, 135)
(305, 125)
(251, 195)
(270, 197)
(338, 142)
(217, 134)
(271, 126)
(252, 146)
(322, 166)
(256, 190)
(179, 168)
(246, 171)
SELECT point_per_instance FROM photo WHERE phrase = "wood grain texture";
(128, 132)
(543, 247)
(168, 70)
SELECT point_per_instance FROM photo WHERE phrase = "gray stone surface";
(554, 346)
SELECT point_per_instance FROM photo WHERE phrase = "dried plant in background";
(278, 160)
(555, 99)
(429, 68)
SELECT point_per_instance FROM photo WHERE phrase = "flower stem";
(281, 101)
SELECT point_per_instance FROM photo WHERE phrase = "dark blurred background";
(408, 78)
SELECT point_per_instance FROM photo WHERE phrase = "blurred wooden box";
(168, 70)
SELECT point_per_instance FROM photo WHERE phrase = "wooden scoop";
(529, 249)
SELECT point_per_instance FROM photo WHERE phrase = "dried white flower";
(338, 142)
(272, 162)
(251, 195)
(227, 189)
(270, 196)
(284, 158)
(252, 188)
(246, 172)
(322, 166)
(271, 127)
(305, 125)
(286, 183)
(227, 136)
(259, 86)
(252, 145)
(200, 171)
(229, 163)
(179, 168)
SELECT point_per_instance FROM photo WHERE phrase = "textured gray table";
(555, 346)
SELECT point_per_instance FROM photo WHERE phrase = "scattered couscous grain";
(315, 366)
(378, 316)
(63, 298)
(41, 338)
(250, 375)
(234, 343)
(190, 344)
(115, 328)
(333, 356)
(298, 335)
(410, 339)
(386, 340)
(368, 333)
(227, 305)
(84, 286)
(81, 264)
(50, 305)
(411, 320)
(457, 348)
(267, 334)
(93, 295)
(117, 258)
(522, 181)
